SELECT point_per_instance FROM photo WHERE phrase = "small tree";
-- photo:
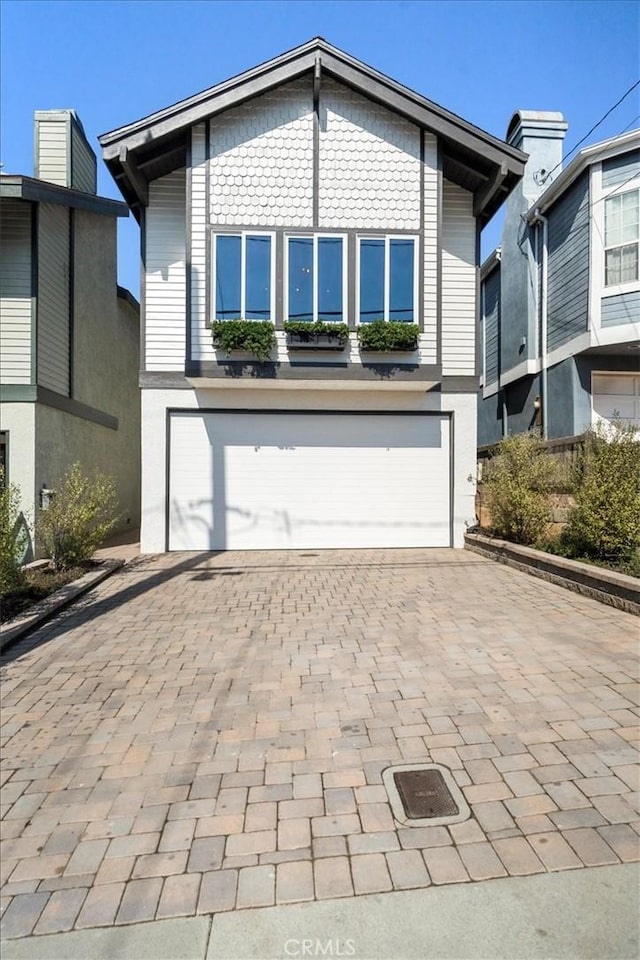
(83, 511)
(13, 537)
(518, 481)
(605, 522)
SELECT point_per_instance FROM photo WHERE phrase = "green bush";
(254, 336)
(381, 335)
(83, 511)
(307, 330)
(13, 537)
(605, 522)
(517, 482)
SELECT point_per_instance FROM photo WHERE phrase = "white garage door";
(289, 480)
(616, 397)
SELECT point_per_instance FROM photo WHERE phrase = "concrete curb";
(40, 612)
(606, 586)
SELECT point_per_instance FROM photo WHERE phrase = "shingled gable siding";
(458, 282)
(165, 287)
(261, 167)
(15, 292)
(568, 270)
(491, 320)
(53, 298)
(369, 164)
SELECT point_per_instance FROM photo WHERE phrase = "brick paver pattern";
(207, 732)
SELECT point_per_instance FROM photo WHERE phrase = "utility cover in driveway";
(424, 794)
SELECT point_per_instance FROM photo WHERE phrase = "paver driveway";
(208, 731)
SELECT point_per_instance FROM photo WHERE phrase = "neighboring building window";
(243, 276)
(315, 281)
(621, 236)
(387, 279)
(616, 396)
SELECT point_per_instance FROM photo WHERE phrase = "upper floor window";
(243, 276)
(387, 272)
(315, 284)
(621, 236)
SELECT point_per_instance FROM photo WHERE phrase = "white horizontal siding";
(165, 274)
(52, 138)
(458, 282)
(15, 292)
(53, 297)
(430, 263)
(201, 348)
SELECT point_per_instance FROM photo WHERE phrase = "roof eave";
(584, 159)
(20, 187)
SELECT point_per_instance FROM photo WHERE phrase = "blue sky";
(117, 61)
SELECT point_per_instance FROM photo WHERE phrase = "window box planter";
(256, 337)
(388, 336)
(316, 336)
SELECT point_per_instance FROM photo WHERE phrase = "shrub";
(381, 335)
(518, 480)
(307, 330)
(82, 513)
(605, 522)
(13, 537)
(255, 336)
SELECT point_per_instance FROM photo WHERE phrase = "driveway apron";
(208, 732)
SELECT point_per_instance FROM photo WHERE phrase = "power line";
(637, 117)
(594, 127)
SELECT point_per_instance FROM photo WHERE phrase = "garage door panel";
(270, 481)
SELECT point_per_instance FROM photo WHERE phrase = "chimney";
(62, 152)
(540, 133)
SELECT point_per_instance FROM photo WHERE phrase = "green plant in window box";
(386, 335)
(253, 336)
(317, 335)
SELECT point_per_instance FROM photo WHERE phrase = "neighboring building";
(310, 186)
(69, 336)
(561, 295)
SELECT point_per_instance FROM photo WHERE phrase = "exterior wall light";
(46, 496)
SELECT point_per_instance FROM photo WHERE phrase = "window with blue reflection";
(258, 278)
(228, 261)
(330, 279)
(371, 280)
(401, 280)
(301, 278)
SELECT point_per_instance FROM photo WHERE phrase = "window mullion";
(314, 295)
(387, 275)
(243, 276)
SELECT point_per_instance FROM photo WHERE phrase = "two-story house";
(310, 187)
(561, 295)
(69, 336)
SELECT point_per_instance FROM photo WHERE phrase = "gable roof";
(156, 144)
(604, 150)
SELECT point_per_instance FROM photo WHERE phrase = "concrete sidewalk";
(587, 915)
